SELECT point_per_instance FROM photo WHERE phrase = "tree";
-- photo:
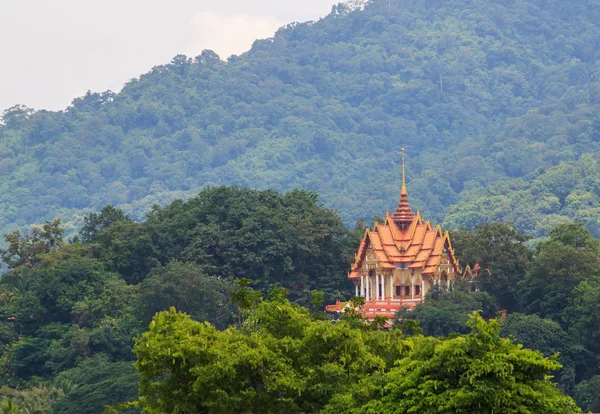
(97, 382)
(480, 372)
(29, 401)
(31, 355)
(16, 116)
(499, 248)
(447, 311)
(587, 394)
(581, 315)
(273, 239)
(61, 285)
(576, 236)
(185, 287)
(209, 371)
(550, 339)
(559, 265)
(128, 249)
(94, 223)
(26, 250)
(281, 360)
(284, 360)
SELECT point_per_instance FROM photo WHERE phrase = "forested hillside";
(539, 201)
(89, 322)
(487, 97)
(69, 312)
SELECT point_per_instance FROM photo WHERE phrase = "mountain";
(538, 202)
(488, 98)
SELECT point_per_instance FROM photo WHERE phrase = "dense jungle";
(171, 247)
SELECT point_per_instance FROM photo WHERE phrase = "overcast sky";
(55, 50)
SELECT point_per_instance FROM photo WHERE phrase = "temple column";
(382, 287)
(448, 282)
(362, 286)
(412, 287)
(376, 286)
(373, 282)
(368, 287)
(356, 289)
(392, 286)
(402, 291)
(422, 289)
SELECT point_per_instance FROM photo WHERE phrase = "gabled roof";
(413, 242)
(405, 238)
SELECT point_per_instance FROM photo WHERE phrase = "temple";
(399, 261)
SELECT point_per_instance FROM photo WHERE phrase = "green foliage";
(479, 372)
(445, 312)
(587, 394)
(128, 249)
(21, 311)
(63, 307)
(550, 339)
(32, 356)
(502, 254)
(37, 400)
(72, 323)
(276, 240)
(26, 250)
(558, 266)
(95, 383)
(541, 200)
(285, 361)
(245, 298)
(478, 92)
(59, 286)
(94, 223)
(70, 305)
(115, 300)
(581, 316)
(185, 287)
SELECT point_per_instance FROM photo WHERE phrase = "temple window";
(398, 290)
(417, 290)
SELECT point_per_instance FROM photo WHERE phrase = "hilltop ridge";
(478, 92)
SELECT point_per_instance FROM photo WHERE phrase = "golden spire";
(403, 176)
(403, 215)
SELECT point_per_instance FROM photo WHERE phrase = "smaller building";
(399, 261)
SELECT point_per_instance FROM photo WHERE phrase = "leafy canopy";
(283, 360)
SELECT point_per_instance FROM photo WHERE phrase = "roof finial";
(403, 215)
(403, 176)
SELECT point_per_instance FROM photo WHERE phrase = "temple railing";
(382, 307)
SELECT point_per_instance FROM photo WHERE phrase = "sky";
(55, 50)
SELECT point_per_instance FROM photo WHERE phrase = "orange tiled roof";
(405, 238)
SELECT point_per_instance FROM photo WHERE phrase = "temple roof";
(419, 246)
(405, 239)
